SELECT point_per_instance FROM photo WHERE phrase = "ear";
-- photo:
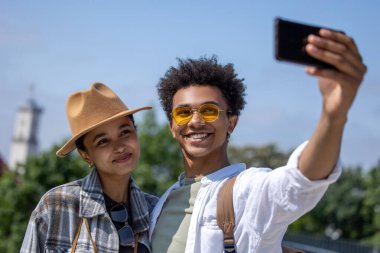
(171, 128)
(232, 122)
(85, 156)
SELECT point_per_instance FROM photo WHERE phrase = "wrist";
(336, 120)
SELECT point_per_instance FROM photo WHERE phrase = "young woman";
(105, 211)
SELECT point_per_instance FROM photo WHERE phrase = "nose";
(119, 146)
(196, 119)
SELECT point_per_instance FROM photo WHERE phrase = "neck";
(201, 166)
(119, 193)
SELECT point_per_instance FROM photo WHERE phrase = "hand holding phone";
(290, 42)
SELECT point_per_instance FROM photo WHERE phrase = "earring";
(90, 164)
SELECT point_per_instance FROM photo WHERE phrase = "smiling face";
(113, 148)
(200, 139)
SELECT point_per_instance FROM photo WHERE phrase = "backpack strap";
(225, 214)
(226, 218)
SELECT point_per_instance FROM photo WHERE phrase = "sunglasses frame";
(192, 110)
(129, 240)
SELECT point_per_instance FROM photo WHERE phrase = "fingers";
(328, 45)
(346, 44)
(345, 62)
(329, 74)
(337, 49)
(340, 37)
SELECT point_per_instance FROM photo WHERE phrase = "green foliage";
(267, 156)
(351, 206)
(19, 193)
(338, 207)
(160, 159)
(371, 206)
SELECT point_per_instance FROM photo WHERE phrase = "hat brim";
(69, 146)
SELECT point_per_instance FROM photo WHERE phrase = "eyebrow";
(207, 102)
(100, 135)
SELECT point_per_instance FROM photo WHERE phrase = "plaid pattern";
(52, 224)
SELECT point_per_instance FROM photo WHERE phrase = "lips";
(123, 158)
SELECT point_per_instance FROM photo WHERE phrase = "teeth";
(197, 136)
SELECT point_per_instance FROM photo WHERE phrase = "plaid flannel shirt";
(53, 223)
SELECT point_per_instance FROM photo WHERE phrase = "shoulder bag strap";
(136, 243)
(226, 218)
(77, 232)
(89, 235)
(225, 214)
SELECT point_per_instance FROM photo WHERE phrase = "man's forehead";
(198, 95)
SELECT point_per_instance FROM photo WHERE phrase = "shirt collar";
(225, 172)
(91, 196)
(139, 209)
(92, 202)
(222, 173)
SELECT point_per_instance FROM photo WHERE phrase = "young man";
(203, 100)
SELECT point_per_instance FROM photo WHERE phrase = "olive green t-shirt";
(172, 225)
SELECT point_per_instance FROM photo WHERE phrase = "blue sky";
(63, 46)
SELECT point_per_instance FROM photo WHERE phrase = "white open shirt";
(265, 202)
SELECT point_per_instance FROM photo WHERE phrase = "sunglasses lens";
(119, 213)
(209, 112)
(182, 115)
(126, 236)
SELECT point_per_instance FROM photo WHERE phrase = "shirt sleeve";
(268, 199)
(299, 180)
(35, 236)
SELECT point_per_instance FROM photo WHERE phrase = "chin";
(197, 152)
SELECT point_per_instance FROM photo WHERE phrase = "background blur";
(49, 49)
(62, 46)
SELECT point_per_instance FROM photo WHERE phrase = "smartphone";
(290, 42)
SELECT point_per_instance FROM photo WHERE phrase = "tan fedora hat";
(91, 108)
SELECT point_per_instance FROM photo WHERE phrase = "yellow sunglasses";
(208, 112)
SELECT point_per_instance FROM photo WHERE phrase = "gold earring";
(90, 165)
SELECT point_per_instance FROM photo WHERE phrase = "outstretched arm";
(338, 88)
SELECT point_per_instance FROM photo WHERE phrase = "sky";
(59, 47)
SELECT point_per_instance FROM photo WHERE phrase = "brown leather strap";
(77, 232)
(89, 235)
(136, 243)
(226, 218)
(225, 213)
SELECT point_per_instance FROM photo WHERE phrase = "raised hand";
(338, 86)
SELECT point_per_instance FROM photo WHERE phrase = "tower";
(24, 141)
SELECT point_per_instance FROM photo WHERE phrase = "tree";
(371, 206)
(266, 156)
(350, 209)
(20, 193)
(160, 159)
(351, 206)
(160, 164)
(336, 214)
